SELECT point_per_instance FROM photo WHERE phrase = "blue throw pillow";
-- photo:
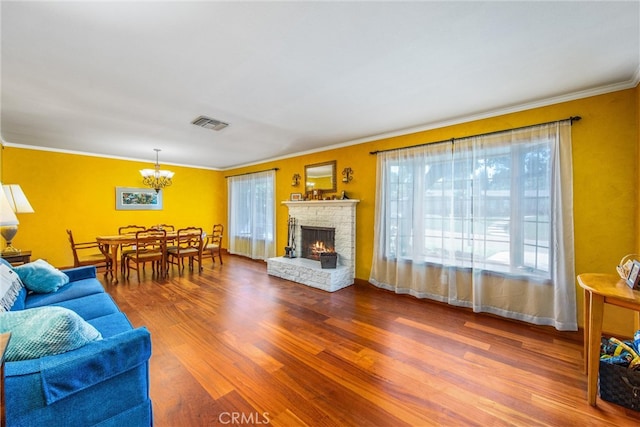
(45, 331)
(41, 277)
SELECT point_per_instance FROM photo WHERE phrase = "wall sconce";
(295, 181)
(347, 175)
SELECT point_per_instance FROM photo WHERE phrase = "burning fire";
(318, 247)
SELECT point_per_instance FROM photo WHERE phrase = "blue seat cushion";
(69, 291)
(111, 324)
(89, 307)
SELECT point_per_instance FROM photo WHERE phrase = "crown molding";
(102, 156)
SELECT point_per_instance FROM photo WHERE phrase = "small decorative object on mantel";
(328, 259)
(313, 195)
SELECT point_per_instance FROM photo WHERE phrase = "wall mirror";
(321, 176)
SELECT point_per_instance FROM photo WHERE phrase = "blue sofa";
(103, 383)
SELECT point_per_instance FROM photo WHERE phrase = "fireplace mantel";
(338, 214)
(346, 202)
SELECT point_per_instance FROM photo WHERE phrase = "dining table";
(115, 241)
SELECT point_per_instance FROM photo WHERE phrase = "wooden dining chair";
(213, 244)
(187, 244)
(165, 227)
(128, 248)
(150, 247)
(90, 253)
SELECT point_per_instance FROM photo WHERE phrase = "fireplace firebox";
(315, 240)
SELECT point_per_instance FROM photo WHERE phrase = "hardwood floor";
(235, 346)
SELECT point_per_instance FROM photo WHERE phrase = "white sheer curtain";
(485, 222)
(252, 215)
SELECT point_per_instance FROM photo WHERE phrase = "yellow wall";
(605, 149)
(77, 192)
(71, 191)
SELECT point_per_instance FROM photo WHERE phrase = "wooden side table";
(17, 258)
(598, 290)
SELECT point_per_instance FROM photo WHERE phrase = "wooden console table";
(598, 290)
(17, 258)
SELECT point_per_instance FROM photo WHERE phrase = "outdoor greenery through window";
(472, 205)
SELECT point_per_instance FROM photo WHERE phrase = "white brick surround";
(339, 214)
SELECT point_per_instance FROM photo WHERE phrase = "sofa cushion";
(89, 307)
(10, 287)
(41, 277)
(45, 331)
(111, 324)
(78, 273)
(72, 290)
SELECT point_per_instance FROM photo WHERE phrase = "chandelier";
(156, 178)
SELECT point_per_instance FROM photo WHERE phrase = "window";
(484, 206)
(252, 215)
(484, 222)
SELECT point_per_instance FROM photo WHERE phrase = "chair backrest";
(130, 229)
(76, 247)
(166, 227)
(76, 261)
(154, 240)
(216, 235)
(189, 237)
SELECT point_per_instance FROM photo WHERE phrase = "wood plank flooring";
(234, 346)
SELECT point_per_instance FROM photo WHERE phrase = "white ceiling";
(122, 78)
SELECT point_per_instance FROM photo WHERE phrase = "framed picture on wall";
(138, 199)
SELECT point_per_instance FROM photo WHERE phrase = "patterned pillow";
(10, 287)
(41, 277)
(45, 331)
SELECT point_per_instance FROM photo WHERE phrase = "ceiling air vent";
(209, 123)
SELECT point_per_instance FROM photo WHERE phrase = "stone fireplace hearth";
(339, 215)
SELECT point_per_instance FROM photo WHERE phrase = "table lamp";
(12, 201)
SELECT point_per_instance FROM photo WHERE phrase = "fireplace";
(315, 240)
(336, 215)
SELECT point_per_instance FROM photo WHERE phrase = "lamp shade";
(7, 216)
(16, 198)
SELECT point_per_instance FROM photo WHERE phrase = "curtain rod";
(452, 140)
(249, 173)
